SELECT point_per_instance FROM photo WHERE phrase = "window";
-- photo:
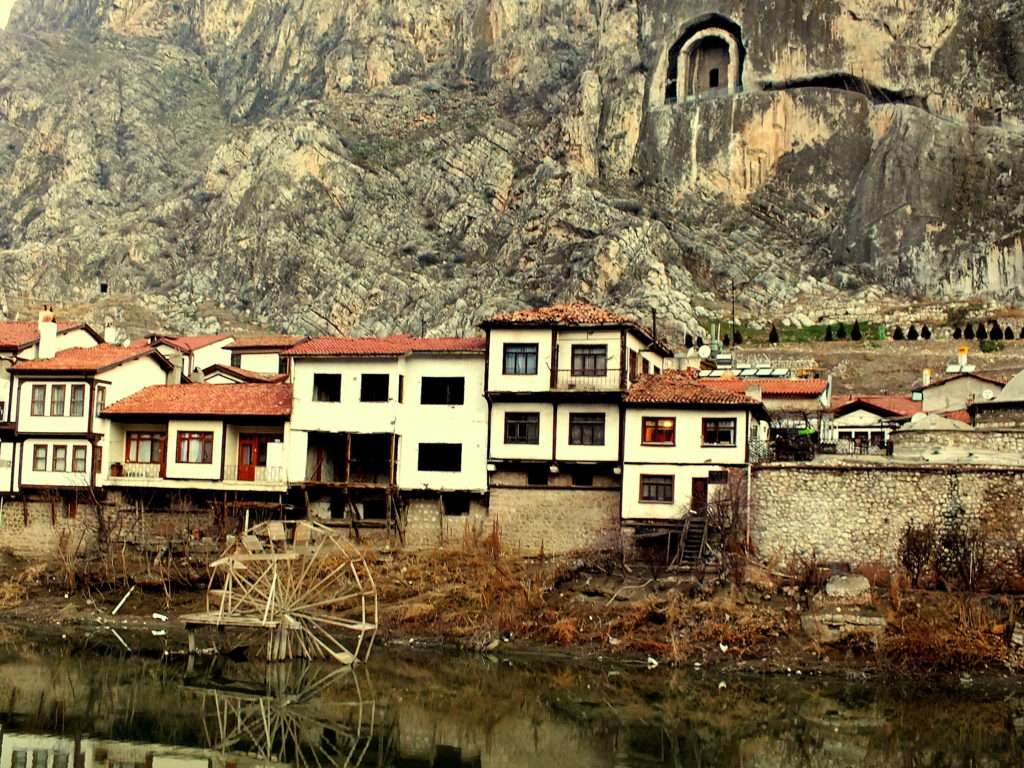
(657, 489)
(713, 78)
(78, 399)
(718, 477)
(719, 432)
(646, 367)
(19, 758)
(456, 504)
(144, 447)
(38, 399)
(537, 476)
(522, 428)
(236, 359)
(440, 457)
(78, 459)
(589, 360)
(401, 388)
(195, 447)
(582, 477)
(101, 399)
(282, 364)
(60, 458)
(520, 360)
(659, 431)
(374, 388)
(632, 365)
(327, 387)
(58, 393)
(39, 458)
(586, 429)
(443, 390)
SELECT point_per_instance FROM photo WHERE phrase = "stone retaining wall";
(856, 514)
(925, 441)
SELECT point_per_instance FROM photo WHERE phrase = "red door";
(248, 457)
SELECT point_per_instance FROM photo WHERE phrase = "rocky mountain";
(397, 165)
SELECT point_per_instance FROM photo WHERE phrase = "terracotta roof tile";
(206, 400)
(88, 359)
(192, 343)
(15, 336)
(264, 342)
(251, 377)
(999, 381)
(899, 405)
(775, 387)
(680, 387)
(573, 313)
(386, 346)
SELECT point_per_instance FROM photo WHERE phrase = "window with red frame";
(144, 447)
(195, 447)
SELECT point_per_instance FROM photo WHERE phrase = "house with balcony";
(200, 438)
(686, 451)
(58, 430)
(380, 425)
(557, 377)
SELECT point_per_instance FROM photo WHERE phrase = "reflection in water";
(69, 708)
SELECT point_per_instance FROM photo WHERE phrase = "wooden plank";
(214, 619)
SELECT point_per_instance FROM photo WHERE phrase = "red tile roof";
(774, 387)
(573, 313)
(192, 343)
(251, 377)
(898, 405)
(963, 416)
(88, 359)
(387, 346)
(999, 381)
(206, 400)
(264, 342)
(680, 387)
(17, 336)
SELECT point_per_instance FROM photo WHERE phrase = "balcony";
(244, 473)
(609, 380)
(137, 471)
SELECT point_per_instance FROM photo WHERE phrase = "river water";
(84, 707)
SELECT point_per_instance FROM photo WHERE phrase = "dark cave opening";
(844, 81)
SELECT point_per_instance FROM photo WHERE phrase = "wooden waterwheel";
(300, 584)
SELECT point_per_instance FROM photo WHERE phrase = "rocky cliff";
(383, 165)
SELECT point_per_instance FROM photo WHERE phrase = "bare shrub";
(916, 549)
(962, 554)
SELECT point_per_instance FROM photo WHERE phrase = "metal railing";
(250, 474)
(588, 381)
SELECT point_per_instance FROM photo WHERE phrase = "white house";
(59, 432)
(191, 355)
(863, 423)
(203, 437)
(262, 354)
(230, 374)
(683, 437)
(375, 418)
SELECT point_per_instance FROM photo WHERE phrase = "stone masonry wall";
(427, 527)
(556, 520)
(923, 441)
(856, 514)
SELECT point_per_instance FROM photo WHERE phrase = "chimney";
(754, 392)
(47, 334)
(961, 356)
(926, 377)
(198, 377)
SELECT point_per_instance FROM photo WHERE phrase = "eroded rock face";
(375, 167)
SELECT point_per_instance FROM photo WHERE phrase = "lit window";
(659, 431)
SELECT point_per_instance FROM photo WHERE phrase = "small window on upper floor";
(442, 390)
(282, 364)
(327, 387)
(374, 388)
(589, 360)
(440, 457)
(519, 360)
(236, 359)
(101, 400)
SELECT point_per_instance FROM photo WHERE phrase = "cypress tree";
(912, 334)
(1008, 333)
(841, 332)
(689, 341)
(855, 334)
(957, 333)
(773, 335)
(828, 333)
(995, 332)
(926, 332)
(897, 335)
(969, 332)
(980, 333)
(737, 338)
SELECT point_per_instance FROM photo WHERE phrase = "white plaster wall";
(212, 354)
(351, 414)
(6, 465)
(610, 338)
(185, 471)
(541, 451)
(77, 338)
(956, 394)
(566, 452)
(465, 424)
(29, 423)
(295, 458)
(633, 508)
(688, 448)
(499, 382)
(260, 362)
